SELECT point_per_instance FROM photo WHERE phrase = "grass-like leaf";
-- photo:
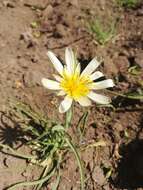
(100, 34)
(73, 148)
(128, 3)
(35, 182)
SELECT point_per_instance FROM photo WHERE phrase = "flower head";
(74, 84)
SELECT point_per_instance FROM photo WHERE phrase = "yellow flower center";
(75, 85)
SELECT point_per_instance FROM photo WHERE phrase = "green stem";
(81, 125)
(55, 186)
(43, 175)
(68, 118)
(78, 161)
(15, 153)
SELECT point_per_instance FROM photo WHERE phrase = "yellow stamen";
(75, 86)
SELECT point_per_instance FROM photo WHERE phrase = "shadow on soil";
(126, 104)
(10, 135)
(130, 168)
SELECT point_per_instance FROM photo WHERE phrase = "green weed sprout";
(100, 33)
(128, 3)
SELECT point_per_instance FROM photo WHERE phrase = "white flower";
(74, 84)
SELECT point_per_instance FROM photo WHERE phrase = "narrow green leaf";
(55, 186)
(78, 161)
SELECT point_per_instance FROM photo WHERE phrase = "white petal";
(100, 99)
(65, 104)
(57, 64)
(90, 68)
(50, 84)
(84, 101)
(57, 77)
(96, 75)
(78, 68)
(103, 84)
(70, 60)
(61, 93)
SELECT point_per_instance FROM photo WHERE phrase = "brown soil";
(23, 62)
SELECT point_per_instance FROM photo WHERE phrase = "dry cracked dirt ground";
(28, 28)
